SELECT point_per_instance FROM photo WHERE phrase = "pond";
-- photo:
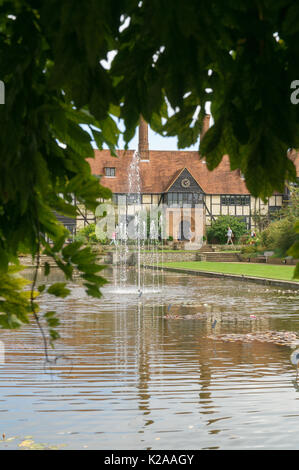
(156, 371)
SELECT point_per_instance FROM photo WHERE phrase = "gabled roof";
(173, 179)
(182, 174)
(164, 167)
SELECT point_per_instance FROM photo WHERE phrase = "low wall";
(149, 258)
(224, 247)
(290, 262)
(169, 257)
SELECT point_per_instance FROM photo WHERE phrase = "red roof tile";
(162, 168)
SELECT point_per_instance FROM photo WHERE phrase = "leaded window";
(235, 200)
(109, 171)
(180, 199)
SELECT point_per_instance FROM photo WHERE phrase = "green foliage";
(250, 81)
(217, 233)
(15, 301)
(43, 148)
(248, 250)
(87, 234)
(58, 289)
(292, 208)
(280, 236)
(294, 250)
(261, 220)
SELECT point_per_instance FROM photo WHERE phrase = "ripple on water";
(131, 378)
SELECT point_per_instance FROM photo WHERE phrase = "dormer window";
(109, 171)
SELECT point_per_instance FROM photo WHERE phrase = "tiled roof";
(164, 166)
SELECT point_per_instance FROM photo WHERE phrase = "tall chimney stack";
(205, 125)
(143, 147)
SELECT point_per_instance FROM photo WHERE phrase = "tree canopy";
(240, 56)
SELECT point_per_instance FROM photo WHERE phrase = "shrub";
(245, 239)
(248, 249)
(280, 235)
(218, 230)
(87, 234)
(294, 250)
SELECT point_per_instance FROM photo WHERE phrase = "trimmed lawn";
(268, 271)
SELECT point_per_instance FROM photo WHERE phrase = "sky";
(157, 142)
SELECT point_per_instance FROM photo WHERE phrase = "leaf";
(93, 290)
(53, 322)
(51, 319)
(296, 272)
(71, 249)
(47, 269)
(291, 21)
(50, 314)
(54, 335)
(59, 242)
(3, 260)
(58, 289)
(294, 250)
(90, 268)
(97, 280)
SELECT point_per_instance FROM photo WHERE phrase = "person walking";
(229, 236)
(113, 239)
(253, 236)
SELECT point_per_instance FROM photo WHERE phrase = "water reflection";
(131, 377)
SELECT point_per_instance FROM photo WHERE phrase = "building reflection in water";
(154, 373)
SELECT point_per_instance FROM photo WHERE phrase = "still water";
(151, 373)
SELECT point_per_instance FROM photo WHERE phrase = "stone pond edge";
(257, 280)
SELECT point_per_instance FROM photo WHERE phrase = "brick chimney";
(205, 125)
(143, 147)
